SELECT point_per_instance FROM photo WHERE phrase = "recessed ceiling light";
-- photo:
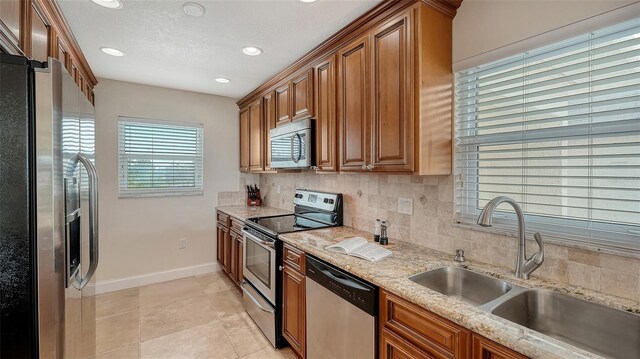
(308, 0)
(252, 50)
(193, 9)
(111, 51)
(111, 4)
(222, 80)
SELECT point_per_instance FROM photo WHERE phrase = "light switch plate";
(405, 205)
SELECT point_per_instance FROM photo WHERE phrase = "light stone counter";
(392, 274)
(242, 212)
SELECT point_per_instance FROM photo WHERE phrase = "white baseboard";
(157, 277)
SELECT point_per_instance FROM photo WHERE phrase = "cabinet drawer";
(222, 218)
(294, 258)
(236, 225)
(422, 328)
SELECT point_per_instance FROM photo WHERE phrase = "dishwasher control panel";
(350, 288)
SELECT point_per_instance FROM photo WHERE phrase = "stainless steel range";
(262, 252)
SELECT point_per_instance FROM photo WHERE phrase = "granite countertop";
(242, 212)
(392, 274)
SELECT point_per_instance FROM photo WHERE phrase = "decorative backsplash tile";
(370, 196)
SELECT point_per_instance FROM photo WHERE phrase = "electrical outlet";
(182, 243)
(405, 205)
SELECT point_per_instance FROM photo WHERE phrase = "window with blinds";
(158, 158)
(558, 130)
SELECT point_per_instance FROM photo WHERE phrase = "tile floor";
(195, 317)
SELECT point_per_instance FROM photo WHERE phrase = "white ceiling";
(166, 47)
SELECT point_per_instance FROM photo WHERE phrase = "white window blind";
(558, 130)
(159, 158)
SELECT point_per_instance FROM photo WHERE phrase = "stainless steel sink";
(596, 328)
(473, 288)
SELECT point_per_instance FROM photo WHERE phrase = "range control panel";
(314, 199)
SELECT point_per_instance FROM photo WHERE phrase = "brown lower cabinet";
(484, 348)
(293, 300)
(409, 331)
(229, 251)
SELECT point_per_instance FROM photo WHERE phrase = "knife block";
(254, 202)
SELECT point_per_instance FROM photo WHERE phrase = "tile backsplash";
(371, 196)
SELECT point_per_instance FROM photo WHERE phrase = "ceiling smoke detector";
(193, 9)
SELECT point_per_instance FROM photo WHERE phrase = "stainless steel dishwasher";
(341, 313)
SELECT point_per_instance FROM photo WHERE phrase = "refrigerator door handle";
(93, 219)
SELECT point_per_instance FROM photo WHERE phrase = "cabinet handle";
(364, 167)
(280, 268)
(370, 167)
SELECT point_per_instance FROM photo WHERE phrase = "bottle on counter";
(376, 230)
(384, 238)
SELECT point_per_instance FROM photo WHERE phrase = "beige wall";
(140, 235)
(485, 25)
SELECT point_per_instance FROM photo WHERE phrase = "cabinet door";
(302, 95)
(220, 245)
(244, 139)
(10, 21)
(255, 137)
(394, 347)
(282, 104)
(392, 93)
(293, 309)
(227, 250)
(353, 104)
(40, 33)
(484, 348)
(239, 273)
(233, 258)
(325, 100)
(268, 105)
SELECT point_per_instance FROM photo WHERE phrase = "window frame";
(128, 192)
(585, 233)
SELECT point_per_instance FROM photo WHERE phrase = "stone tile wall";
(371, 196)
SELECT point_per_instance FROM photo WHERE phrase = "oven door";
(259, 265)
(291, 150)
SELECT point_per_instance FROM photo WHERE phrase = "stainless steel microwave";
(292, 144)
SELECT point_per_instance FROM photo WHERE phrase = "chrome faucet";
(524, 266)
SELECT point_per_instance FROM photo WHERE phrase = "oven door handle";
(258, 240)
(254, 300)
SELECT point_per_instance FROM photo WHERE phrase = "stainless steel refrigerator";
(48, 213)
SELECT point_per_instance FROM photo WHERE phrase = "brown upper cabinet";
(37, 29)
(252, 138)
(294, 99)
(10, 19)
(282, 102)
(268, 104)
(302, 95)
(392, 95)
(380, 90)
(353, 104)
(40, 36)
(256, 130)
(326, 126)
(245, 137)
(408, 128)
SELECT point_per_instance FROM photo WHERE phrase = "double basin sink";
(596, 328)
